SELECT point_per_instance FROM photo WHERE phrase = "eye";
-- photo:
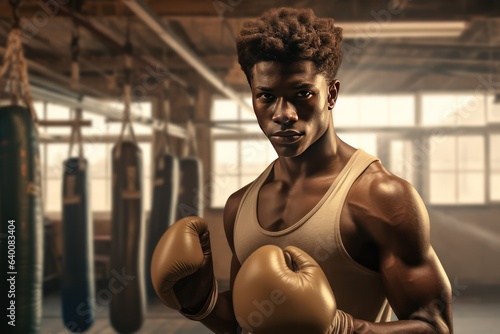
(266, 97)
(304, 94)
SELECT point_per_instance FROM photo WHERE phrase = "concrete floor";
(476, 311)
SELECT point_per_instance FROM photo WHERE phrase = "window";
(452, 144)
(240, 151)
(493, 109)
(97, 146)
(56, 154)
(374, 110)
(495, 168)
(401, 159)
(457, 170)
(365, 141)
(454, 109)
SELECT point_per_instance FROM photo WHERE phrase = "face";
(291, 103)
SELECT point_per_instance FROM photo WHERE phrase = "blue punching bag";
(78, 284)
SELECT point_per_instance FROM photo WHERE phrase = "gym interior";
(419, 89)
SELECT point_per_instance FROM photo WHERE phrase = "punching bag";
(127, 246)
(21, 221)
(190, 198)
(163, 208)
(78, 287)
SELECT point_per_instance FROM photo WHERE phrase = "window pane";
(346, 111)
(100, 192)
(495, 187)
(495, 153)
(38, 105)
(471, 153)
(374, 110)
(98, 128)
(249, 116)
(254, 156)
(471, 110)
(53, 202)
(223, 185)
(495, 167)
(225, 156)
(146, 158)
(367, 142)
(493, 109)
(56, 154)
(442, 188)
(402, 110)
(224, 109)
(57, 112)
(442, 153)
(471, 188)
(98, 157)
(438, 109)
(402, 159)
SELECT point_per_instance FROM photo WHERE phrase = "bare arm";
(417, 287)
(222, 319)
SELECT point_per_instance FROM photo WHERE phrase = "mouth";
(286, 137)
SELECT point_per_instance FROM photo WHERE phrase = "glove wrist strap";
(208, 307)
(343, 323)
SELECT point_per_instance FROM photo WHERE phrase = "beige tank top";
(358, 290)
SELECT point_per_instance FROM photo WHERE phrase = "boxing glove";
(182, 269)
(285, 291)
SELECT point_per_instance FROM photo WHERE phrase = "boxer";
(331, 226)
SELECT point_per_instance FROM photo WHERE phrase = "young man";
(352, 224)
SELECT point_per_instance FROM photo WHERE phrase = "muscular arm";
(222, 319)
(417, 287)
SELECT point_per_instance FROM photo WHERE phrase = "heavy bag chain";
(15, 70)
(76, 131)
(75, 52)
(127, 98)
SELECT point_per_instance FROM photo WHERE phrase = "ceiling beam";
(168, 36)
(340, 10)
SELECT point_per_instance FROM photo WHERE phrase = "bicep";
(417, 290)
(416, 284)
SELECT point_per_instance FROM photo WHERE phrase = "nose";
(285, 113)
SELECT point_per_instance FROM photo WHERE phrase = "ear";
(333, 93)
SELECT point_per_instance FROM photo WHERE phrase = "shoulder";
(391, 211)
(230, 212)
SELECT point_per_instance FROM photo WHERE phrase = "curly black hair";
(290, 34)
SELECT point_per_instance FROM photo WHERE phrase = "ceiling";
(389, 46)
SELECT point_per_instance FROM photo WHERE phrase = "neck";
(321, 157)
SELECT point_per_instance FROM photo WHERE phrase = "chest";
(281, 205)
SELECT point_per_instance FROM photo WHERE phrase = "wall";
(467, 240)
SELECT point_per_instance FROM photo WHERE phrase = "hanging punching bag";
(190, 198)
(21, 221)
(127, 247)
(78, 285)
(163, 208)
